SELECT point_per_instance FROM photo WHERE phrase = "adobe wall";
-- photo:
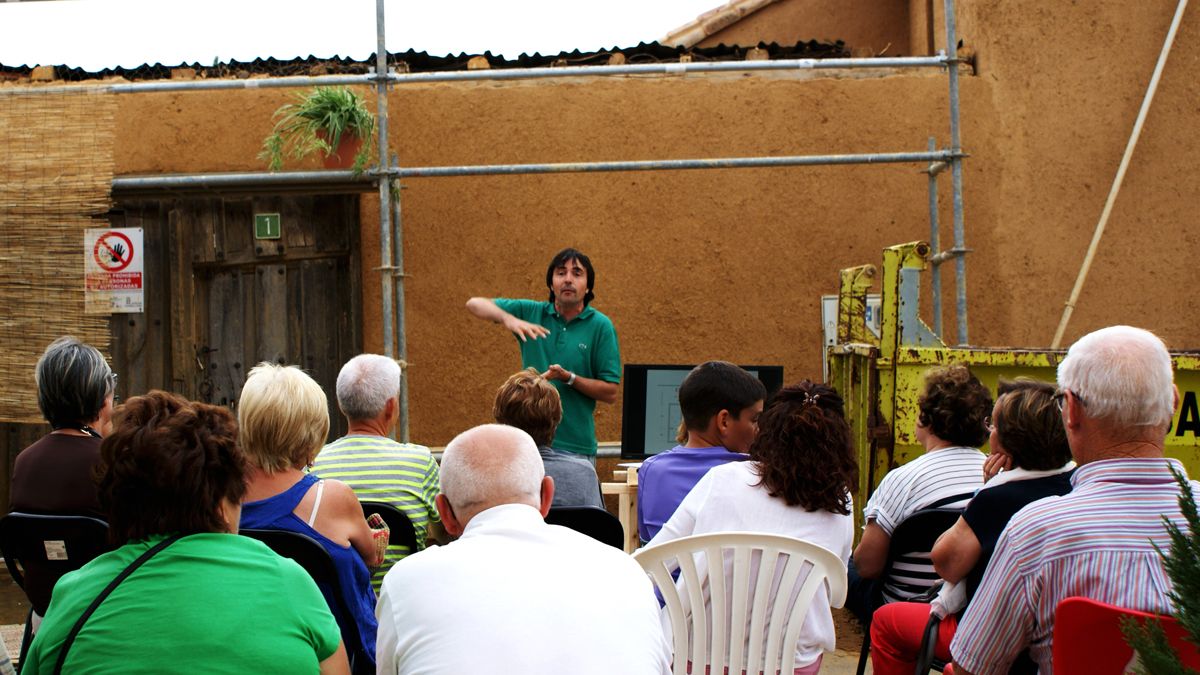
(1066, 82)
(875, 27)
(731, 264)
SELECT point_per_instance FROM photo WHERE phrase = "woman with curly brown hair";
(183, 592)
(951, 424)
(797, 483)
(1027, 431)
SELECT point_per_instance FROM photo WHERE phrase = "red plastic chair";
(1088, 639)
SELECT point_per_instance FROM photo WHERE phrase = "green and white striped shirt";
(379, 469)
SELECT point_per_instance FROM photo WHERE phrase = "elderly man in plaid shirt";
(1117, 398)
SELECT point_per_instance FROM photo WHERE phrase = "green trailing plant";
(316, 122)
(1183, 567)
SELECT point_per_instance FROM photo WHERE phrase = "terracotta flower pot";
(342, 157)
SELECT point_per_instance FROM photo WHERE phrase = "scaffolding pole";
(960, 249)
(398, 282)
(935, 239)
(218, 181)
(385, 205)
(674, 68)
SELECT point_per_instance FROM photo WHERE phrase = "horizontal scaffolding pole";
(656, 165)
(213, 181)
(679, 68)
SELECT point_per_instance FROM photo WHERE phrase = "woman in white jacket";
(797, 484)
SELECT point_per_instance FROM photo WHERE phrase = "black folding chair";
(315, 560)
(402, 531)
(593, 521)
(39, 549)
(911, 543)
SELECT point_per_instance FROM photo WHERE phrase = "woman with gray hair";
(56, 475)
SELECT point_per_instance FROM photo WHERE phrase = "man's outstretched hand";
(523, 329)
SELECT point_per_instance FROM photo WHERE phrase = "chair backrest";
(1087, 638)
(593, 521)
(309, 554)
(402, 531)
(740, 574)
(909, 568)
(40, 549)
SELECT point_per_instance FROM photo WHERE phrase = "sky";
(99, 34)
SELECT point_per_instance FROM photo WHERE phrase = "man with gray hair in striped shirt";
(376, 467)
(1117, 397)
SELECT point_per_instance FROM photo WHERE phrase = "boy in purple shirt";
(720, 404)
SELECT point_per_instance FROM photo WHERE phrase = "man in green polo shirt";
(570, 343)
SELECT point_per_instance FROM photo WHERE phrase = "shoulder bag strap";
(112, 585)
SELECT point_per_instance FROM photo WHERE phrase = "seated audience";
(530, 403)
(1101, 540)
(56, 475)
(513, 594)
(720, 404)
(284, 420)
(376, 467)
(202, 599)
(951, 424)
(798, 483)
(1028, 438)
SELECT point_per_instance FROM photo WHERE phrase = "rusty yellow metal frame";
(880, 379)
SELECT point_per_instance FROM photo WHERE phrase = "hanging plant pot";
(341, 157)
(305, 126)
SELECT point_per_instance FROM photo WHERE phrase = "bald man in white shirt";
(514, 594)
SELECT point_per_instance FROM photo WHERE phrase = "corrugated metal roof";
(414, 61)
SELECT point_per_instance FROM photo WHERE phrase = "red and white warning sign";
(113, 270)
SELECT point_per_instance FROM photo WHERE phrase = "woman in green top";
(210, 601)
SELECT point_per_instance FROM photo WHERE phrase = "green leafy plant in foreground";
(1183, 567)
(317, 121)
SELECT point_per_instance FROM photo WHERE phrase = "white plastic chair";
(740, 566)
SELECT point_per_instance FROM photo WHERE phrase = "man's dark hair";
(168, 466)
(715, 386)
(562, 258)
(955, 406)
(1030, 425)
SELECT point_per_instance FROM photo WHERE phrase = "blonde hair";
(283, 417)
(530, 403)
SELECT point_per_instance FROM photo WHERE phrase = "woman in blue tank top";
(283, 419)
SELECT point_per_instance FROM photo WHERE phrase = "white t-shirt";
(945, 478)
(727, 499)
(515, 595)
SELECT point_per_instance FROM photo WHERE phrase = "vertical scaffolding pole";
(398, 281)
(935, 242)
(960, 250)
(385, 204)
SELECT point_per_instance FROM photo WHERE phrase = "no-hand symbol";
(113, 251)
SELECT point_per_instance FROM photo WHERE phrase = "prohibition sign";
(113, 251)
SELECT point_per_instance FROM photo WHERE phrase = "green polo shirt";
(586, 346)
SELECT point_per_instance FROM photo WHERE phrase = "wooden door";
(219, 301)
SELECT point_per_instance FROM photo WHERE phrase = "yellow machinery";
(881, 377)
